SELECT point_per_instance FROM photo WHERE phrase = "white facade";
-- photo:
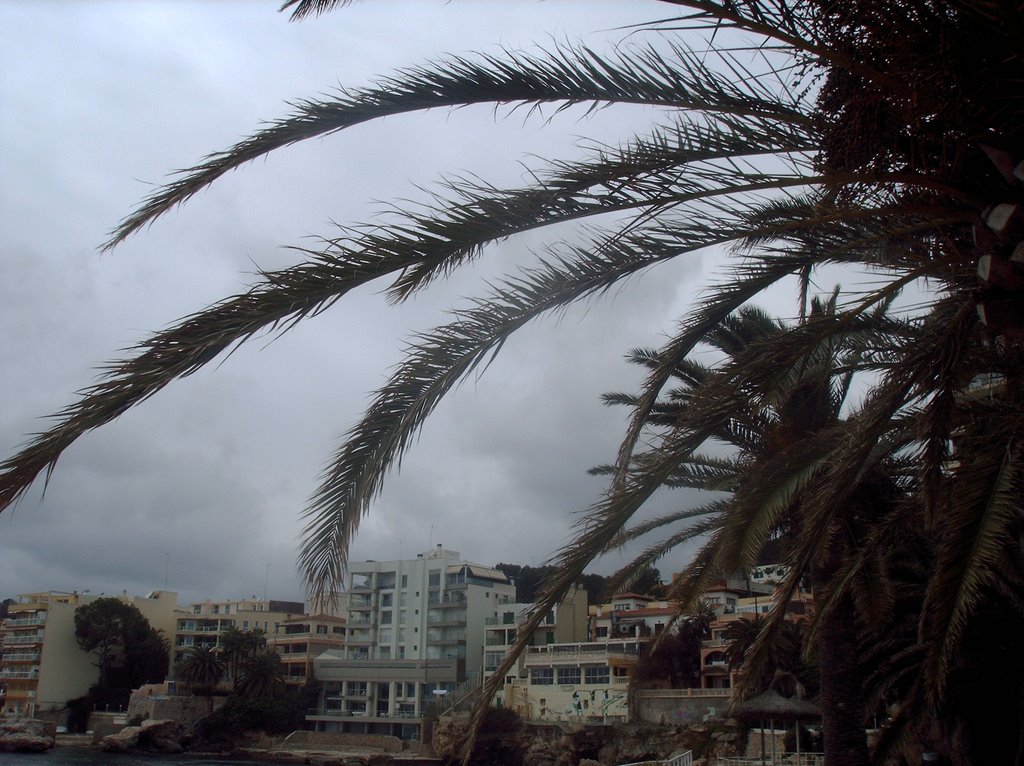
(415, 632)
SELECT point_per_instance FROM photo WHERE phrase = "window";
(602, 632)
(542, 676)
(492, 660)
(569, 675)
(405, 581)
(384, 652)
(245, 625)
(387, 599)
(385, 618)
(403, 616)
(321, 630)
(434, 578)
(596, 674)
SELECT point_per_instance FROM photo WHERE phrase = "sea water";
(79, 756)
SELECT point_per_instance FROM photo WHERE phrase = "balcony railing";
(36, 638)
(573, 653)
(714, 643)
(20, 656)
(8, 673)
(24, 622)
(452, 622)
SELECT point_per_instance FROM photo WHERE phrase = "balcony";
(714, 643)
(21, 657)
(35, 638)
(25, 622)
(455, 600)
(448, 621)
(446, 641)
(598, 653)
(10, 673)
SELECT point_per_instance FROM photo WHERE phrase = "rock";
(25, 736)
(122, 742)
(589, 762)
(151, 737)
(540, 753)
(160, 737)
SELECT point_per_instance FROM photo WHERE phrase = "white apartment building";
(415, 631)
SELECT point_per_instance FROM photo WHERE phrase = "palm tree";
(237, 647)
(262, 676)
(885, 134)
(202, 669)
(778, 431)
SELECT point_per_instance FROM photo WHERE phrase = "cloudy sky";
(201, 487)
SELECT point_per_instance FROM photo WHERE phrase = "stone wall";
(313, 739)
(679, 707)
(183, 708)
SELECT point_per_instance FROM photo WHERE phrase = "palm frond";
(567, 75)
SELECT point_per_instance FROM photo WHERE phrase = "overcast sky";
(201, 487)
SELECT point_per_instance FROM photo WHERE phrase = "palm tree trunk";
(842, 690)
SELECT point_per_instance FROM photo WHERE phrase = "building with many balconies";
(415, 633)
(42, 666)
(300, 640)
(201, 625)
(566, 623)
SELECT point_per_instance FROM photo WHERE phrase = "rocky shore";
(549, 745)
(26, 736)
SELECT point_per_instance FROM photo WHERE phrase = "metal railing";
(684, 758)
(19, 673)
(34, 639)
(24, 622)
(781, 759)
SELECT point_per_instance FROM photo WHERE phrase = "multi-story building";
(415, 632)
(714, 665)
(42, 666)
(566, 623)
(301, 640)
(202, 624)
(583, 682)
(630, 615)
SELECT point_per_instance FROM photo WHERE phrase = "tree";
(202, 668)
(262, 676)
(776, 435)
(130, 652)
(238, 647)
(899, 150)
